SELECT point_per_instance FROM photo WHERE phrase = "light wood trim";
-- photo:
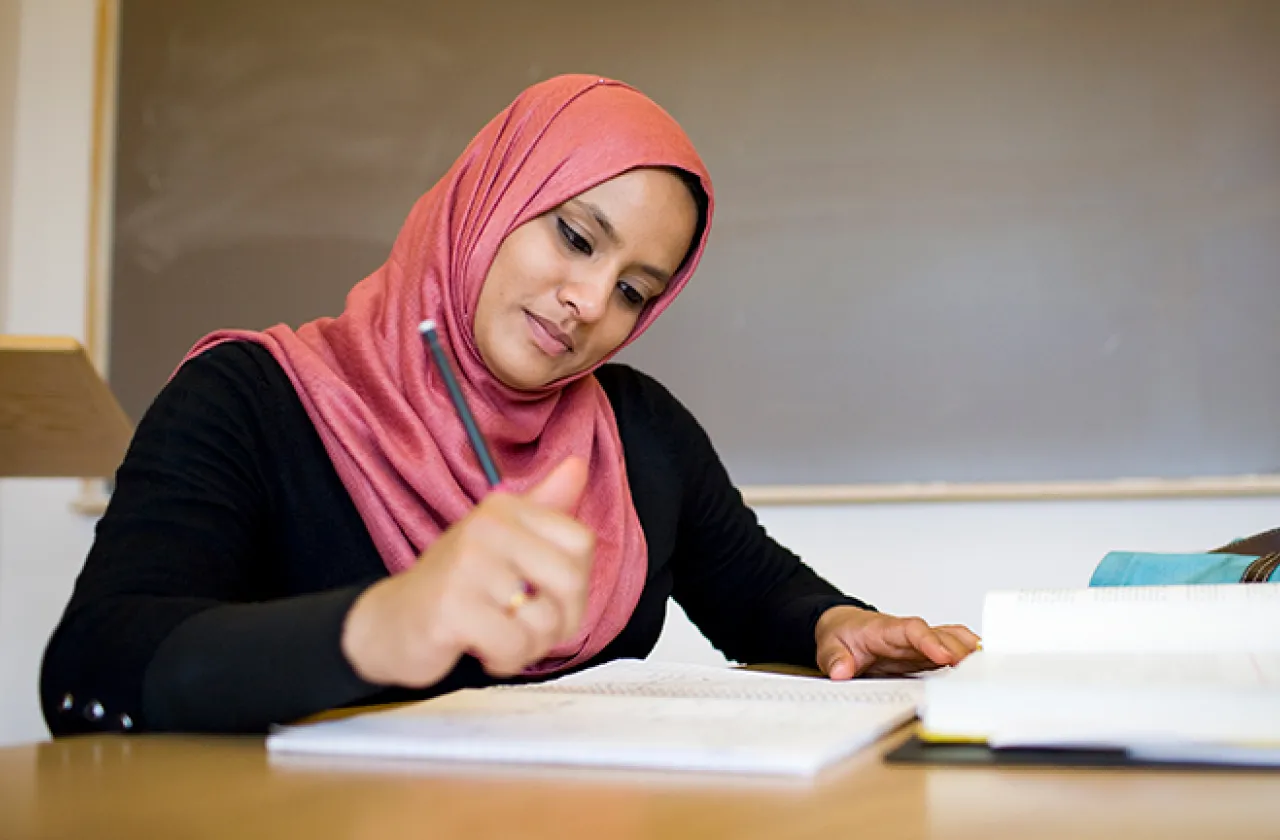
(38, 344)
(102, 186)
(783, 495)
(57, 416)
(93, 494)
(93, 498)
(1117, 489)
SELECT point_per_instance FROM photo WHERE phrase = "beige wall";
(8, 109)
(43, 542)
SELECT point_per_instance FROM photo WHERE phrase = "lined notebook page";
(1135, 619)
(630, 714)
(635, 678)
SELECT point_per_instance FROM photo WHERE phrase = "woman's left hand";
(854, 642)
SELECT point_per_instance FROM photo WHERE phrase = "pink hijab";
(383, 411)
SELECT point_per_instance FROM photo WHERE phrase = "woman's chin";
(524, 374)
(528, 368)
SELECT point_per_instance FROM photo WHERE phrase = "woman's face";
(566, 288)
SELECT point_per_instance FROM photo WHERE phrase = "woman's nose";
(588, 297)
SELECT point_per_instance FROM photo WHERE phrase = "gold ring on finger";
(517, 600)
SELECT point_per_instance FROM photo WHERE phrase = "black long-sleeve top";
(214, 595)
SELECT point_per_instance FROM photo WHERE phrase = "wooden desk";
(172, 787)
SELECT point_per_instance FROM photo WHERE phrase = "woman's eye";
(631, 294)
(572, 238)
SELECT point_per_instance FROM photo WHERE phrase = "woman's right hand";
(461, 598)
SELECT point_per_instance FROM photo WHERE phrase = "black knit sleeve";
(172, 624)
(753, 599)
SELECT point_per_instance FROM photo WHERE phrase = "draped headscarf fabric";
(382, 409)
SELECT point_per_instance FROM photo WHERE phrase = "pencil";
(429, 332)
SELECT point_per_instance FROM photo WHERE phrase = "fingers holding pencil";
(505, 584)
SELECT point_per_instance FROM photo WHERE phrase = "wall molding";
(1117, 489)
(94, 501)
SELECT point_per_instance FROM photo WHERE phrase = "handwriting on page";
(1102, 595)
(1226, 593)
(628, 678)
(856, 695)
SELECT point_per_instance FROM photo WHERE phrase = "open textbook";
(1168, 673)
(630, 713)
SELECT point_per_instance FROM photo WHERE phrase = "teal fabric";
(1139, 568)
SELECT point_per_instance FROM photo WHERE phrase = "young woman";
(300, 522)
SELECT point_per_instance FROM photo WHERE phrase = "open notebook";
(1166, 673)
(634, 714)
